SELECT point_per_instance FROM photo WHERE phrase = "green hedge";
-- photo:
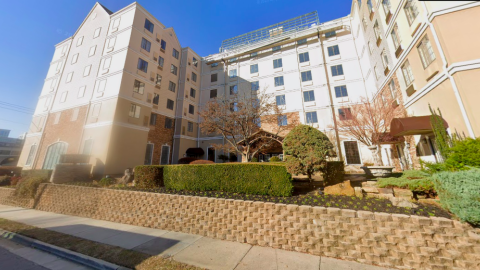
(459, 192)
(37, 173)
(334, 173)
(259, 179)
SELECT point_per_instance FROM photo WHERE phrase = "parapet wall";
(390, 240)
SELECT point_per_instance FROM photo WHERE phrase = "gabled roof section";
(106, 9)
(89, 13)
(175, 35)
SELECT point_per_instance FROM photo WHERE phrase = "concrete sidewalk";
(187, 248)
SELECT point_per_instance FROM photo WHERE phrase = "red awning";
(416, 125)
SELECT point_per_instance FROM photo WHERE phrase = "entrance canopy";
(416, 125)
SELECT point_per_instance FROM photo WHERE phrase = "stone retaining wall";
(390, 240)
(7, 198)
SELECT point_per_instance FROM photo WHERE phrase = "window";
(311, 117)
(161, 61)
(100, 85)
(304, 57)
(254, 54)
(214, 65)
(153, 119)
(393, 90)
(168, 122)
(396, 37)
(306, 76)
(302, 41)
(370, 7)
(191, 109)
(190, 127)
(407, 73)
(148, 154)
(337, 70)
(81, 91)
(375, 70)
(173, 69)
(214, 77)
(156, 98)
(426, 52)
(333, 50)
(213, 93)
(169, 104)
(75, 58)
(309, 96)
(411, 11)
(165, 156)
(69, 77)
(195, 62)
(97, 32)
(138, 87)
(146, 45)
(232, 73)
(280, 100)
(254, 68)
(278, 81)
(92, 51)
(386, 6)
(175, 53)
(158, 81)
(163, 44)
(192, 92)
(370, 47)
(385, 59)
(330, 34)
(341, 91)
(277, 63)
(142, 65)
(376, 29)
(359, 3)
(276, 48)
(194, 77)
(345, 114)
(107, 62)
(233, 89)
(172, 86)
(134, 111)
(149, 25)
(31, 155)
(79, 41)
(282, 120)
(255, 86)
(352, 154)
(86, 70)
(233, 107)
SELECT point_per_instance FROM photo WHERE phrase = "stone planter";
(378, 171)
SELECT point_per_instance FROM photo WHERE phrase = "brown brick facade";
(159, 136)
(390, 240)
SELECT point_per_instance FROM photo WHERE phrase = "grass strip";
(113, 254)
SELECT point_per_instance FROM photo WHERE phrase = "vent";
(155, 59)
(152, 79)
(158, 40)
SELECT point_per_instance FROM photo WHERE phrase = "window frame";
(146, 45)
(175, 53)
(336, 70)
(282, 100)
(304, 56)
(277, 63)
(278, 80)
(407, 73)
(193, 92)
(425, 51)
(343, 115)
(213, 91)
(311, 117)
(411, 11)
(306, 76)
(255, 86)
(172, 85)
(341, 91)
(142, 65)
(191, 109)
(310, 94)
(138, 87)
(150, 25)
(253, 68)
(135, 110)
(334, 50)
(169, 101)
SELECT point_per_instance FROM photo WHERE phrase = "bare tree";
(369, 122)
(241, 119)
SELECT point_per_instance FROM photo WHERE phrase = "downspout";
(339, 151)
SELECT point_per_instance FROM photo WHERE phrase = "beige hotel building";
(125, 92)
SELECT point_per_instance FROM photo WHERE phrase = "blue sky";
(30, 29)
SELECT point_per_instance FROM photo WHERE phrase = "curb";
(60, 252)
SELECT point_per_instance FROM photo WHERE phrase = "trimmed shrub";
(275, 159)
(4, 180)
(223, 158)
(464, 153)
(186, 160)
(27, 187)
(254, 159)
(37, 173)
(459, 192)
(148, 176)
(414, 180)
(233, 158)
(7, 170)
(105, 182)
(202, 161)
(259, 179)
(334, 173)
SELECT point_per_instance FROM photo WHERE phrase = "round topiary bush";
(275, 159)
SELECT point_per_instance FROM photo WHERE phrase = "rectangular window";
(214, 65)
(69, 77)
(282, 120)
(311, 117)
(158, 81)
(97, 32)
(31, 154)
(385, 59)
(232, 60)
(86, 70)
(306, 76)
(173, 69)
(156, 98)
(81, 91)
(138, 87)
(411, 11)
(393, 90)
(278, 81)
(233, 89)
(407, 73)
(92, 51)
(253, 54)
(165, 156)
(146, 45)
(134, 111)
(330, 34)
(153, 119)
(191, 109)
(233, 107)
(172, 86)
(190, 127)
(149, 25)
(163, 45)
(280, 100)
(194, 77)
(169, 104)
(309, 96)
(386, 6)
(276, 48)
(376, 30)
(192, 92)
(337, 70)
(396, 37)
(345, 114)
(195, 62)
(426, 52)
(302, 41)
(79, 41)
(168, 122)
(175, 53)
(213, 93)
(304, 57)
(255, 86)
(375, 70)
(370, 6)
(148, 154)
(63, 97)
(341, 91)
(142, 65)
(214, 77)
(232, 73)
(254, 68)
(277, 63)
(75, 58)
(352, 154)
(161, 61)
(333, 50)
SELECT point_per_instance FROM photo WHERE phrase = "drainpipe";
(339, 151)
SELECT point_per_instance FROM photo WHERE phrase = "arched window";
(53, 155)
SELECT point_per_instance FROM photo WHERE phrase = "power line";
(15, 105)
(1, 119)
(16, 110)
